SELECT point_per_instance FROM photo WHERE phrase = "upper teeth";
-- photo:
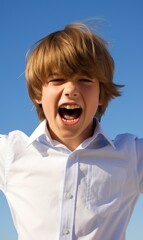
(69, 106)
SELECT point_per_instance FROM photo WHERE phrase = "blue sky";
(22, 23)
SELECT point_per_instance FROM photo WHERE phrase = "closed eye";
(86, 80)
(56, 81)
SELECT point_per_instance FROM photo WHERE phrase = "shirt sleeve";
(139, 152)
(3, 159)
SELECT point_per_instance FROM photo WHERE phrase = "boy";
(68, 180)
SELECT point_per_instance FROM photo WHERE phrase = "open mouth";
(70, 113)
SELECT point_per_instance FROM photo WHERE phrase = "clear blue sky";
(22, 23)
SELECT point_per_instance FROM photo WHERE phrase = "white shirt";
(57, 194)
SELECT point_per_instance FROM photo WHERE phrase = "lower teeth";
(69, 120)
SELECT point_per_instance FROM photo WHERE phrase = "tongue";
(69, 114)
(68, 117)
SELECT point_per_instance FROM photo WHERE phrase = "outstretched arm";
(3, 160)
(139, 152)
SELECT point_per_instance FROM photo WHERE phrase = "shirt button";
(66, 231)
(72, 157)
(68, 195)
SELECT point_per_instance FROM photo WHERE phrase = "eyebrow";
(53, 74)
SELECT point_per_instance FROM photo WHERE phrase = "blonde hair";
(73, 50)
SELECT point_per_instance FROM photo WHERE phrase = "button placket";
(65, 231)
(69, 196)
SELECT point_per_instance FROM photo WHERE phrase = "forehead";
(62, 75)
(79, 74)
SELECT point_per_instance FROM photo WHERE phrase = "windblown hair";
(73, 50)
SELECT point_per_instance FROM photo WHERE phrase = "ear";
(100, 103)
(38, 101)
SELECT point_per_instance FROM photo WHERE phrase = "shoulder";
(13, 139)
(125, 137)
(14, 135)
(125, 140)
(128, 141)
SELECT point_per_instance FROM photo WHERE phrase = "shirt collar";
(99, 130)
(42, 130)
(97, 133)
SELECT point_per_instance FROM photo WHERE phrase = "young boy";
(68, 180)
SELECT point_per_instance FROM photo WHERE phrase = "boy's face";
(69, 105)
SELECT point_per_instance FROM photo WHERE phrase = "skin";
(78, 91)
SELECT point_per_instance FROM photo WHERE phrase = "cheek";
(51, 92)
(46, 95)
(92, 94)
(49, 101)
(92, 100)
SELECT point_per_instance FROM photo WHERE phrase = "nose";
(71, 89)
